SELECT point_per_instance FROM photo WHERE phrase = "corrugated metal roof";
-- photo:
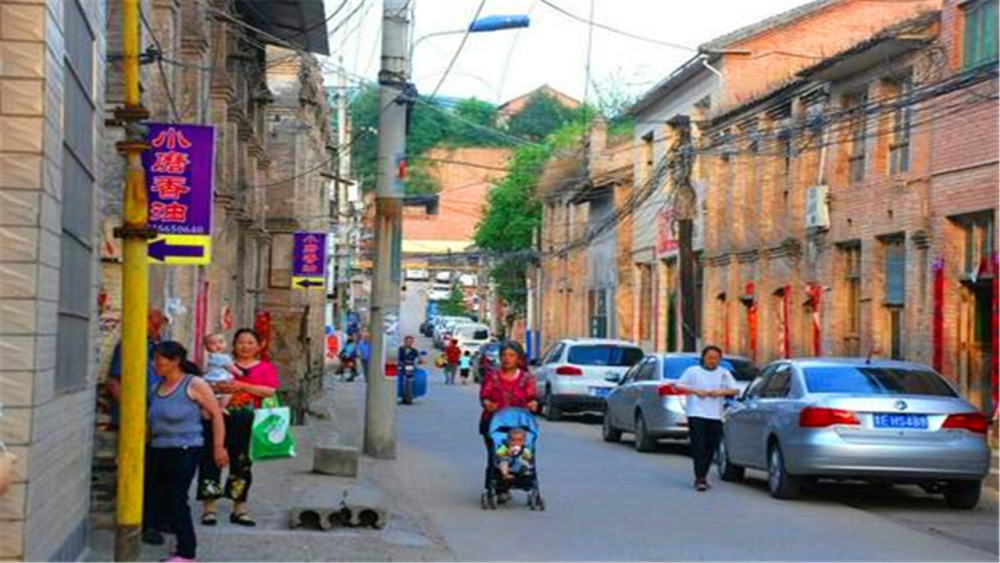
(299, 22)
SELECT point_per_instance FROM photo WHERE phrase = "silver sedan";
(856, 419)
(647, 404)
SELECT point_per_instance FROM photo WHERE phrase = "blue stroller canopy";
(505, 419)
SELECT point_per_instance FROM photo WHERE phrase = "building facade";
(866, 192)
(52, 90)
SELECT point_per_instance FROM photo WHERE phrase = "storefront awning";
(299, 22)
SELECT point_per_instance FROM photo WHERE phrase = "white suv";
(577, 374)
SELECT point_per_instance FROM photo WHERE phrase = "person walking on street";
(259, 381)
(707, 386)
(155, 321)
(452, 355)
(507, 386)
(176, 442)
(465, 366)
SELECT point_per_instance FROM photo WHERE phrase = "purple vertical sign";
(179, 167)
(309, 260)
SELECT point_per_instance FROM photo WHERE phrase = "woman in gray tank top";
(176, 441)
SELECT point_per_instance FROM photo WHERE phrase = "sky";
(501, 65)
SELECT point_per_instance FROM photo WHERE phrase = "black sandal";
(209, 519)
(242, 520)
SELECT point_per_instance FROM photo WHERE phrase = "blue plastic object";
(499, 22)
(419, 384)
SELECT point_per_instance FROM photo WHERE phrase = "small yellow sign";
(187, 250)
(308, 282)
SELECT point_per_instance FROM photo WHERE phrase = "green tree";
(540, 117)
(454, 306)
(513, 213)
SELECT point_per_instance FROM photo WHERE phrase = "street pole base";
(128, 542)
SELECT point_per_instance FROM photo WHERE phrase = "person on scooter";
(408, 359)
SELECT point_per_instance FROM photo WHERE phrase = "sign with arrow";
(309, 260)
(179, 167)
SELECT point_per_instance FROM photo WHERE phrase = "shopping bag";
(270, 437)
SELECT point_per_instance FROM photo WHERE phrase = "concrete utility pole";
(135, 299)
(343, 206)
(685, 202)
(380, 412)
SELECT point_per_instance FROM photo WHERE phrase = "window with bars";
(76, 259)
(902, 121)
(894, 271)
(859, 125)
(978, 243)
(979, 33)
(851, 256)
(645, 301)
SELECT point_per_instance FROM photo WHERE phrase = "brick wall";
(43, 516)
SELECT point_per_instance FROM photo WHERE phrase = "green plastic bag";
(270, 437)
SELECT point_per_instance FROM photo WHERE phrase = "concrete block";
(341, 461)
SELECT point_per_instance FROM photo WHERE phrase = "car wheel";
(552, 411)
(780, 484)
(963, 495)
(728, 471)
(608, 432)
(643, 441)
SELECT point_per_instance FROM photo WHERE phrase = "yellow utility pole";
(135, 300)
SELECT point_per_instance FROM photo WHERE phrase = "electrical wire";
(159, 66)
(454, 59)
(621, 32)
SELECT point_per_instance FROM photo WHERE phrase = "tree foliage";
(541, 116)
(513, 212)
(429, 127)
(454, 305)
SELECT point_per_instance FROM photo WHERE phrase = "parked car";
(872, 420)
(445, 328)
(470, 336)
(487, 357)
(417, 274)
(646, 402)
(573, 374)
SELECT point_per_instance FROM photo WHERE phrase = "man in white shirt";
(707, 385)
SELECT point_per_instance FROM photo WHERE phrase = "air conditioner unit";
(817, 207)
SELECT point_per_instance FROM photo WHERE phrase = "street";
(608, 502)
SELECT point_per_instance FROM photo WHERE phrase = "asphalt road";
(608, 502)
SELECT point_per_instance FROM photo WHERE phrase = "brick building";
(866, 209)
(439, 229)
(300, 145)
(51, 116)
(586, 290)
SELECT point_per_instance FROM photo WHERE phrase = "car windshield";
(604, 355)
(472, 333)
(742, 370)
(870, 380)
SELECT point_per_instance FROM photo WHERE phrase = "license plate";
(918, 421)
(601, 392)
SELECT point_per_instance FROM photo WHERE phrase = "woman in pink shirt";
(259, 381)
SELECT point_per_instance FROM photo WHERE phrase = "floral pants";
(239, 424)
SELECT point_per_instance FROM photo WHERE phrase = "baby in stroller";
(513, 459)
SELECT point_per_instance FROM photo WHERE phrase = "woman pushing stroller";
(507, 425)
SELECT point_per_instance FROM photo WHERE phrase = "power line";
(159, 65)
(621, 32)
(465, 37)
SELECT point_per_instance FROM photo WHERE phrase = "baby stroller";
(503, 421)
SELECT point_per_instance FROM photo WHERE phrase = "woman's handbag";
(270, 437)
